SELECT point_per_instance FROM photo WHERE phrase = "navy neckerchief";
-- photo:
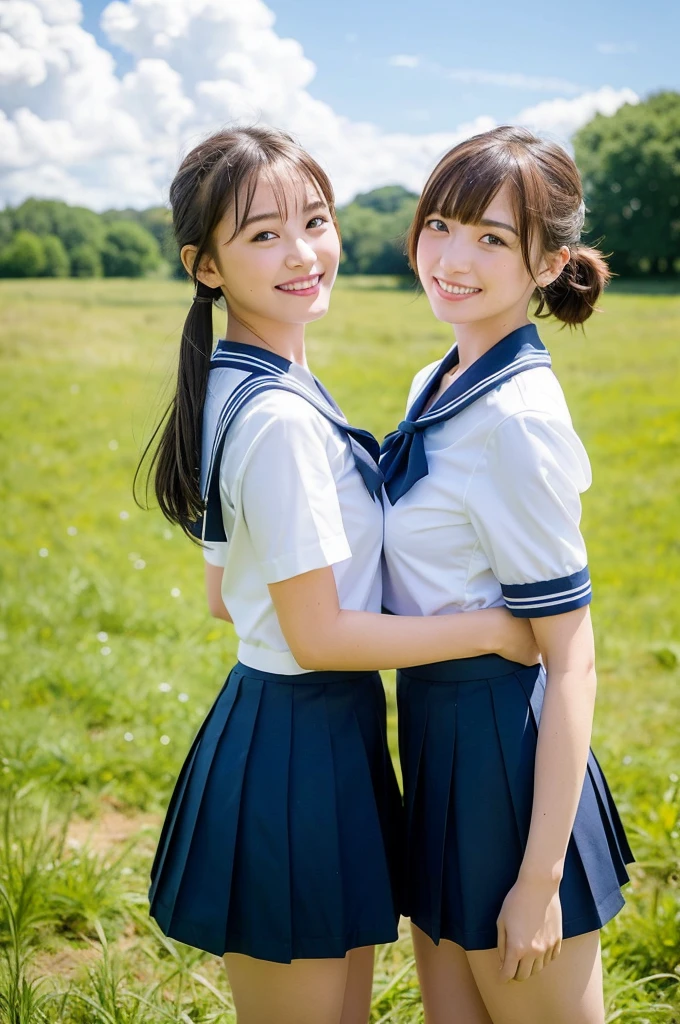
(403, 460)
(269, 371)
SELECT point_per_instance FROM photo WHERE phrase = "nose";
(301, 255)
(456, 257)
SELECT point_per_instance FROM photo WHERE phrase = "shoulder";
(271, 409)
(535, 441)
(274, 427)
(537, 390)
(279, 412)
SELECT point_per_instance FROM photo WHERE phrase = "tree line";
(49, 238)
(630, 164)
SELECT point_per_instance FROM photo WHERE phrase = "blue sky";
(99, 101)
(582, 44)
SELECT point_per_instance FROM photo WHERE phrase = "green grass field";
(110, 660)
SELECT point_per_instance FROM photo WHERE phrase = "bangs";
(289, 180)
(463, 190)
(468, 179)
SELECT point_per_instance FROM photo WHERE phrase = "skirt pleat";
(282, 837)
(201, 841)
(468, 749)
(258, 823)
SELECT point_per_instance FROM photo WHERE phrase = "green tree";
(388, 199)
(37, 215)
(631, 170)
(24, 256)
(74, 225)
(57, 263)
(158, 221)
(85, 261)
(374, 227)
(129, 250)
(6, 227)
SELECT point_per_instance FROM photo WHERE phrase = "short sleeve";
(288, 492)
(524, 502)
(215, 552)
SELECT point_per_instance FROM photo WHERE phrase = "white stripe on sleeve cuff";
(551, 597)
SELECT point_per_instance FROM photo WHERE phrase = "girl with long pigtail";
(281, 847)
(515, 851)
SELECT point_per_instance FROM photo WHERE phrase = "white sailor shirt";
(494, 516)
(292, 501)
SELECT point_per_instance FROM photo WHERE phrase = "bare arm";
(213, 589)
(563, 739)
(321, 635)
(532, 906)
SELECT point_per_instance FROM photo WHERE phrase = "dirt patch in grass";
(111, 830)
(65, 964)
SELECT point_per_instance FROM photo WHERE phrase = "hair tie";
(200, 295)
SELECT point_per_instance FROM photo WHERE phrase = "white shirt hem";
(281, 662)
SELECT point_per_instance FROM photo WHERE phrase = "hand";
(529, 929)
(513, 638)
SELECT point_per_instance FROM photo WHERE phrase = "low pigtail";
(573, 296)
(175, 464)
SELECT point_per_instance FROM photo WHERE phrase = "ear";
(552, 266)
(207, 273)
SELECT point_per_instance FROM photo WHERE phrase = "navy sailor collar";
(403, 460)
(255, 360)
(251, 357)
(520, 350)
(266, 370)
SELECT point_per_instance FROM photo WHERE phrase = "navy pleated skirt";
(467, 740)
(283, 835)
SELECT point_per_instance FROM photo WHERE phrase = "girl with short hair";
(515, 850)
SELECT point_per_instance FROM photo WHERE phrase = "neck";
(475, 339)
(287, 340)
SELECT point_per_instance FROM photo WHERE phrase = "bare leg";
(302, 992)
(450, 994)
(567, 991)
(356, 1008)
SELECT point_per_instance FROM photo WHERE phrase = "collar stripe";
(526, 362)
(265, 382)
(228, 359)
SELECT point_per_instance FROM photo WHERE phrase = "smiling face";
(476, 272)
(278, 267)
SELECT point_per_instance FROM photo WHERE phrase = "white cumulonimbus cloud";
(71, 128)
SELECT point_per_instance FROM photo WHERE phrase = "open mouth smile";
(301, 285)
(454, 291)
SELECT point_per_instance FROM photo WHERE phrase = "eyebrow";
(499, 224)
(318, 204)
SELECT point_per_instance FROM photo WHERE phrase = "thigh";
(449, 990)
(356, 1007)
(567, 991)
(302, 992)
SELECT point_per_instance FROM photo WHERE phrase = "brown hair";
(218, 175)
(547, 197)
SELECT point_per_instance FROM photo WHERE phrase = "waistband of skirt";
(304, 678)
(460, 670)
